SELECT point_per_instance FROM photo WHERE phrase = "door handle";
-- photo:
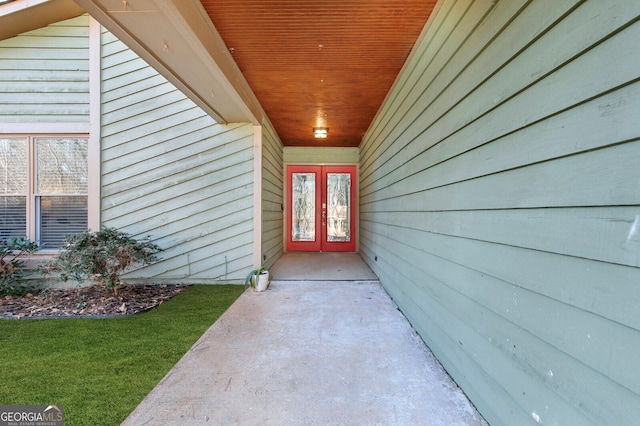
(324, 217)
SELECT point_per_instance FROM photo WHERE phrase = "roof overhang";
(177, 38)
(17, 17)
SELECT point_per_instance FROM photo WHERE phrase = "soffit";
(326, 63)
(18, 17)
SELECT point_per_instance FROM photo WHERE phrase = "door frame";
(321, 170)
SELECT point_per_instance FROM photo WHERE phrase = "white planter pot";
(262, 281)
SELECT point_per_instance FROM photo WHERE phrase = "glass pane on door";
(338, 207)
(320, 212)
(303, 223)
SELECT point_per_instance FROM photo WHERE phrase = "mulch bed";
(90, 301)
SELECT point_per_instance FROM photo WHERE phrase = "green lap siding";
(320, 155)
(500, 205)
(272, 196)
(171, 172)
(44, 74)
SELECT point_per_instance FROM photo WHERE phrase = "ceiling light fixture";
(320, 132)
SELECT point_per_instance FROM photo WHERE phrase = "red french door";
(320, 208)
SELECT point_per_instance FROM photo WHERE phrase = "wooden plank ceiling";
(324, 63)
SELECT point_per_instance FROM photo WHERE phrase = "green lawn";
(100, 369)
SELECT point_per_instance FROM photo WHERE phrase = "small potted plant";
(259, 279)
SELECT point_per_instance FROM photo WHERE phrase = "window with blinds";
(45, 187)
(13, 217)
(14, 161)
(61, 189)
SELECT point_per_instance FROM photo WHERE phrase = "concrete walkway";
(308, 353)
(303, 266)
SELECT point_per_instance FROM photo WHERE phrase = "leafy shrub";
(102, 255)
(12, 265)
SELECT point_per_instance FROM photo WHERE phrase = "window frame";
(32, 190)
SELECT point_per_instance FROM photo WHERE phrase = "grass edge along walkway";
(99, 370)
